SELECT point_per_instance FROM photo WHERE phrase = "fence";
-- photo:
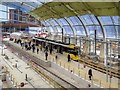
(83, 74)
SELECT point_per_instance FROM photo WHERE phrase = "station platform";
(18, 75)
(78, 69)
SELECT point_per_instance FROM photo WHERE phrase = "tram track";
(21, 53)
(101, 68)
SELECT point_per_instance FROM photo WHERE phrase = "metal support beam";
(95, 40)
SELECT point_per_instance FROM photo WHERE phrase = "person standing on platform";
(46, 55)
(33, 47)
(90, 73)
(68, 57)
(41, 47)
(56, 56)
(50, 50)
(37, 50)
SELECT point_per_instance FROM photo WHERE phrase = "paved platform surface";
(63, 57)
(34, 79)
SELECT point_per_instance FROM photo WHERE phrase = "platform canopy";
(62, 9)
(46, 9)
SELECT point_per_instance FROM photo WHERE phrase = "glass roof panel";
(63, 21)
(94, 19)
(92, 31)
(53, 21)
(59, 29)
(68, 30)
(75, 20)
(118, 31)
(87, 19)
(116, 19)
(50, 28)
(106, 20)
(47, 23)
(80, 30)
(110, 31)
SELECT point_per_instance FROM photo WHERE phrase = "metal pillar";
(62, 34)
(95, 40)
(106, 61)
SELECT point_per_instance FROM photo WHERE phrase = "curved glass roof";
(77, 24)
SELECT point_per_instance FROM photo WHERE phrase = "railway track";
(101, 68)
(21, 53)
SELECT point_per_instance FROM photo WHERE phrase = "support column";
(104, 52)
(86, 47)
(73, 40)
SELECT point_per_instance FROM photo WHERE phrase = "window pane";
(59, 28)
(68, 30)
(92, 31)
(75, 21)
(118, 31)
(87, 19)
(2, 7)
(116, 19)
(47, 23)
(53, 21)
(80, 30)
(99, 31)
(3, 15)
(63, 21)
(51, 29)
(110, 31)
(106, 20)
(94, 19)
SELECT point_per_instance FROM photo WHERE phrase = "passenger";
(41, 47)
(46, 48)
(90, 73)
(37, 50)
(46, 55)
(20, 41)
(68, 57)
(50, 50)
(56, 56)
(33, 47)
(29, 43)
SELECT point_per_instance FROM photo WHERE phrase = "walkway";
(99, 78)
(34, 79)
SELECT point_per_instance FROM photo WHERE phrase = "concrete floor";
(34, 79)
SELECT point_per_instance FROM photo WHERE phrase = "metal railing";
(83, 74)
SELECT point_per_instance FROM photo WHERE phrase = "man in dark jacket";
(46, 55)
(68, 57)
(90, 73)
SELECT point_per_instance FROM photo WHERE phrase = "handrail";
(82, 74)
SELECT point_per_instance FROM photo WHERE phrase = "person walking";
(41, 47)
(37, 50)
(33, 48)
(46, 55)
(90, 73)
(68, 57)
